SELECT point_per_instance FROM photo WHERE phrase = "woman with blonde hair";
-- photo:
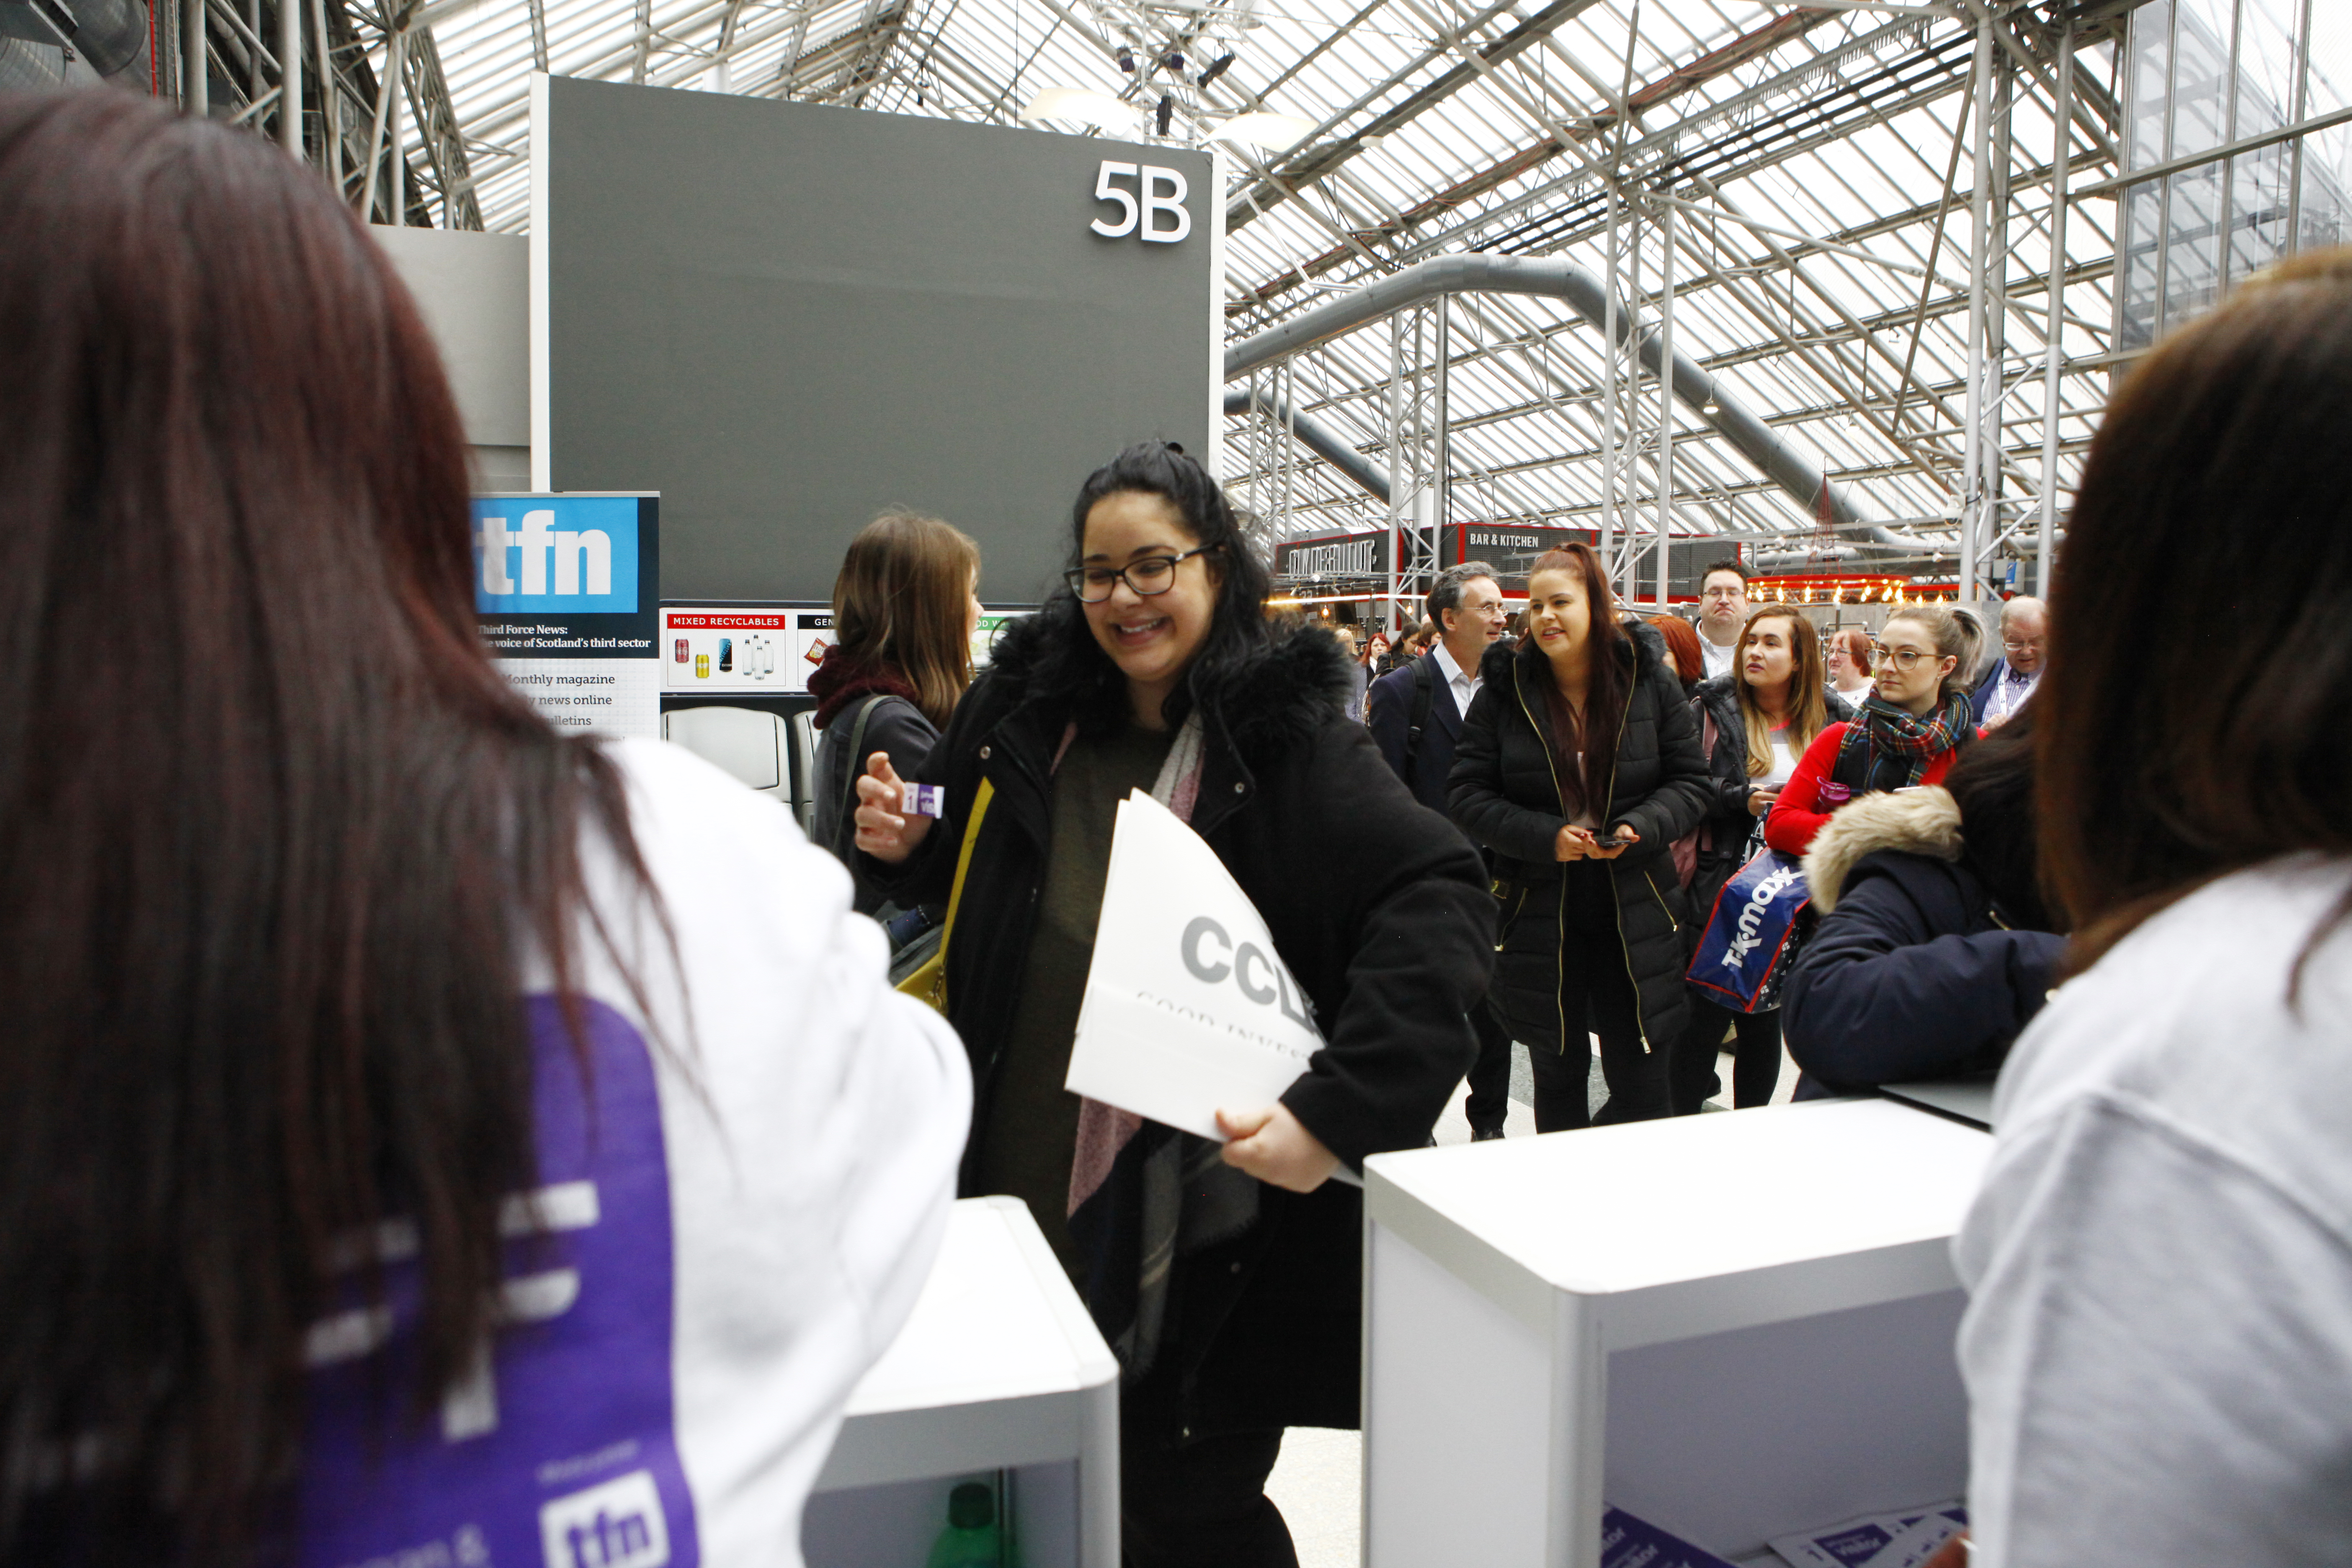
(1756, 721)
(904, 611)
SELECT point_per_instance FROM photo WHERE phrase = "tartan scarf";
(1902, 745)
(1143, 1195)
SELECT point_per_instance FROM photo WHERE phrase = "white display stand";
(999, 1368)
(1735, 1327)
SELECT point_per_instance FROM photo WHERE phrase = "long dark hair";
(1238, 632)
(899, 603)
(1608, 680)
(274, 834)
(1994, 785)
(2220, 478)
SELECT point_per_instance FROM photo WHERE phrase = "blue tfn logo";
(618, 1525)
(546, 553)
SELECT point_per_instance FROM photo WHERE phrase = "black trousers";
(1754, 1064)
(1565, 977)
(1198, 1503)
(1490, 1076)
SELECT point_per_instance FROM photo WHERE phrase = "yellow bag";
(930, 984)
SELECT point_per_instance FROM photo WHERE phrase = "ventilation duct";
(1554, 278)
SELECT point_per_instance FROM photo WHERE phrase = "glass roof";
(1820, 164)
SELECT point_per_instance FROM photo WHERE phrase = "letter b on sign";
(1163, 195)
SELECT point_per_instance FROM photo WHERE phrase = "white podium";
(1735, 1327)
(999, 1368)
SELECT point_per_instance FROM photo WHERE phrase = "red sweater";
(1796, 816)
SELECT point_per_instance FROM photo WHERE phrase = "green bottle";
(970, 1539)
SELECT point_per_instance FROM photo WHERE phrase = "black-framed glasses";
(1152, 574)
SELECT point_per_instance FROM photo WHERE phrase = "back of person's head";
(1955, 634)
(1682, 643)
(2222, 478)
(900, 601)
(274, 836)
(1992, 783)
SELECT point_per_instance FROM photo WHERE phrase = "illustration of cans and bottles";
(754, 656)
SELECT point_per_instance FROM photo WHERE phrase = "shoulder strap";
(1851, 768)
(852, 771)
(955, 894)
(1424, 690)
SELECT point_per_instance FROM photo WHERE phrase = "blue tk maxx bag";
(1752, 925)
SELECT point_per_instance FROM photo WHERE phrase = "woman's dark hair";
(1992, 783)
(2221, 477)
(274, 836)
(900, 601)
(1608, 682)
(1237, 630)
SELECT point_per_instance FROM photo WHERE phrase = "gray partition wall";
(784, 317)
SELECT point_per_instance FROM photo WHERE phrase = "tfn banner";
(567, 588)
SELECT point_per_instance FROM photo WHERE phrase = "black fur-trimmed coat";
(1504, 795)
(1376, 904)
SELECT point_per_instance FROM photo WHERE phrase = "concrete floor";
(1319, 1482)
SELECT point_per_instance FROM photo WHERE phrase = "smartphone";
(1613, 842)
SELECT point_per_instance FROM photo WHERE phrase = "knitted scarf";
(1902, 745)
(837, 683)
(1143, 1195)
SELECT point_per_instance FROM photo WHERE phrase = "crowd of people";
(337, 975)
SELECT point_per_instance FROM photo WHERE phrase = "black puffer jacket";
(1505, 795)
(1723, 846)
(1377, 906)
(1916, 971)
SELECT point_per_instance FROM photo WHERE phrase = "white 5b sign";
(1159, 193)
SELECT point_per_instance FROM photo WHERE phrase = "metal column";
(289, 77)
(1666, 393)
(2053, 356)
(1976, 531)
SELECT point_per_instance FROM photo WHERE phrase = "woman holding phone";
(1579, 766)
(1763, 716)
(1235, 1312)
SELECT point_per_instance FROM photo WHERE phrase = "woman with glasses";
(1225, 1275)
(1759, 719)
(1907, 733)
(1579, 766)
(1846, 655)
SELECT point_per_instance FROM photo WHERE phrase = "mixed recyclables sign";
(568, 590)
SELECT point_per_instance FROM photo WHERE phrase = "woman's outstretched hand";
(1272, 1145)
(885, 829)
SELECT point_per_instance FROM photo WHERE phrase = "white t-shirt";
(735, 1216)
(1718, 658)
(2158, 1341)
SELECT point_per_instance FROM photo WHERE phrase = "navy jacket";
(1982, 696)
(1388, 713)
(1914, 971)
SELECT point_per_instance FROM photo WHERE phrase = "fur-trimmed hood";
(1281, 691)
(1915, 821)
